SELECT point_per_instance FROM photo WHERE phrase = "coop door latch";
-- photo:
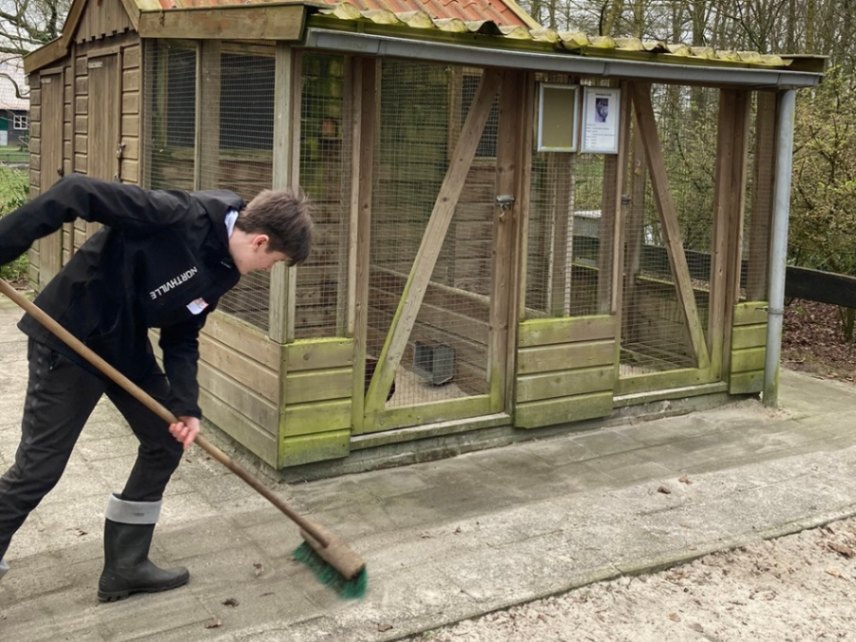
(505, 203)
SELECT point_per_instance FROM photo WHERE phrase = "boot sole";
(115, 596)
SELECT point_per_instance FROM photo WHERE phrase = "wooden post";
(206, 162)
(364, 123)
(285, 136)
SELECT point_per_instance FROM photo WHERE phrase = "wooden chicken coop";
(520, 231)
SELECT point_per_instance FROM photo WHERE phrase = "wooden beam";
(281, 23)
(669, 219)
(364, 122)
(207, 149)
(285, 129)
(611, 256)
(736, 215)
(432, 241)
(504, 256)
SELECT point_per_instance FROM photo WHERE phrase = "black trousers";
(60, 397)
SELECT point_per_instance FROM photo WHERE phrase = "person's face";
(251, 254)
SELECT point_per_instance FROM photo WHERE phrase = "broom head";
(335, 564)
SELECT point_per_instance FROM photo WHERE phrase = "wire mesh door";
(432, 262)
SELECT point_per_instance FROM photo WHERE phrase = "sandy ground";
(796, 588)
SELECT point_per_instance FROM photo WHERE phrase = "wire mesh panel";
(565, 229)
(422, 111)
(171, 90)
(325, 161)
(227, 144)
(759, 198)
(655, 331)
(243, 158)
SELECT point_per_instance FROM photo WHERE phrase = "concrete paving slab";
(444, 540)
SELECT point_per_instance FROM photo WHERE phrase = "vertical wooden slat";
(738, 179)
(722, 203)
(610, 256)
(206, 162)
(669, 219)
(364, 123)
(283, 159)
(507, 159)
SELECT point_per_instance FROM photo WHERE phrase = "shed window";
(20, 121)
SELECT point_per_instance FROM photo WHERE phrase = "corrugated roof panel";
(502, 18)
(465, 10)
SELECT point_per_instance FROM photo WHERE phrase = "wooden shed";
(521, 231)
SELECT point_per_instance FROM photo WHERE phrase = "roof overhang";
(486, 56)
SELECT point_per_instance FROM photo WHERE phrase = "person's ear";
(260, 241)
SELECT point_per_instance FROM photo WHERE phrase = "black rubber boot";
(127, 568)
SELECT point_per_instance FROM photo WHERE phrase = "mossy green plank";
(535, 414)
(750, 312)
(317, 354)
(566, 356)
(746, 382)
(749, 336)
(561, 384)
(747, 360)
(245, 401)
(305, 449)
(312, 418)
(436, 412)
(663, 380)
(259, 440)
(539, 332)
(318, 385)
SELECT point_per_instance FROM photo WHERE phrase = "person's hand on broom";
(185, 430)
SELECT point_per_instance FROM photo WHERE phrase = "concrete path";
(443, 541)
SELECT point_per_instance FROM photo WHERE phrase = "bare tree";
(28, 24)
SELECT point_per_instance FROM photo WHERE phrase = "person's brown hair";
(285, 216)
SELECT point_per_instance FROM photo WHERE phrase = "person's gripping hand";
(185, 430)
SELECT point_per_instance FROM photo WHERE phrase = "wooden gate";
(438, 298)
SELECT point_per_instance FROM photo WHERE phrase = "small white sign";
(601, 116)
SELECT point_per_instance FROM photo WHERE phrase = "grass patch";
(14, 155)
(14, 186)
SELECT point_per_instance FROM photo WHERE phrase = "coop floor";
(411, 389)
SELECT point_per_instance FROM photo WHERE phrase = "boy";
(161, 260)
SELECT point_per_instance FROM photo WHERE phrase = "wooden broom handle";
(152, 404)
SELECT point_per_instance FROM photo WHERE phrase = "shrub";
(13, 193)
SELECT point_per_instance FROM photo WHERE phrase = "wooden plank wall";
(565, 370)
(239, 383)
(317, 398)
(748, 347)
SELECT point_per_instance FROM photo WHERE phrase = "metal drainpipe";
(779, 243)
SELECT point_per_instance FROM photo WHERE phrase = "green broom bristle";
(354, 588)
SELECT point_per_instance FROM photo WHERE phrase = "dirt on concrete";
(800, 587)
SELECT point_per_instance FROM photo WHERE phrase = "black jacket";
(160, 261)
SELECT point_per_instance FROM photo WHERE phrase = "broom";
(327, 556)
